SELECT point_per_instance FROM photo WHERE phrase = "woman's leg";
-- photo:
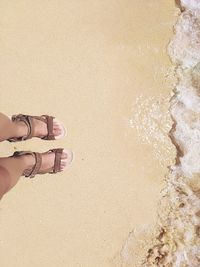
(10, 129)
(12, 168)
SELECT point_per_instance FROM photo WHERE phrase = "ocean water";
(175, 240)
(152, 123)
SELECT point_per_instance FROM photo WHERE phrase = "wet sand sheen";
(86, 62)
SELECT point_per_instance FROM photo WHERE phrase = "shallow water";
(176, 241)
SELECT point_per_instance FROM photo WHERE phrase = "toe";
(57, 131)
(60, 130)
(63, 165)
(67, 156)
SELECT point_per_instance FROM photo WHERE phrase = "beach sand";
(94, 65)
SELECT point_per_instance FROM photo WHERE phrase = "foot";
(48, 160)
(39, 129)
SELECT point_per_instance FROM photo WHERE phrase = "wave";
(175, 240)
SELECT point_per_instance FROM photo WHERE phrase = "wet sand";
(85, 62)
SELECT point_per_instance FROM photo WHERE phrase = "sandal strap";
(27, 119)
(37, 166)
(49, 122)
(38, 162)
(57, 162)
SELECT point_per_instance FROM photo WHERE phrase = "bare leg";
(10, 171)
(9, 129)
(12, 168)
(9, 178)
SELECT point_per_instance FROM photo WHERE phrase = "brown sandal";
(28, 120)
(38, 162)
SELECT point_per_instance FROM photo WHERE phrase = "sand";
(89, 63)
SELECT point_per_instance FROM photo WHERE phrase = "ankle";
(28, 161)
(19, 129)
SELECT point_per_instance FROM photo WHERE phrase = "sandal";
(38, 162)
(28, 120)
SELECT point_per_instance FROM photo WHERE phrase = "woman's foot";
(52, 161)
(27, 127)
(39, 128)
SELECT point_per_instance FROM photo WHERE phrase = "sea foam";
(175, 241)
(181, 225)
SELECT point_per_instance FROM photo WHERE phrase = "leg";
(11, 170)
(4, 177)
(10, 129)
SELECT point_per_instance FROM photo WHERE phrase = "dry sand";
(86, 62)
